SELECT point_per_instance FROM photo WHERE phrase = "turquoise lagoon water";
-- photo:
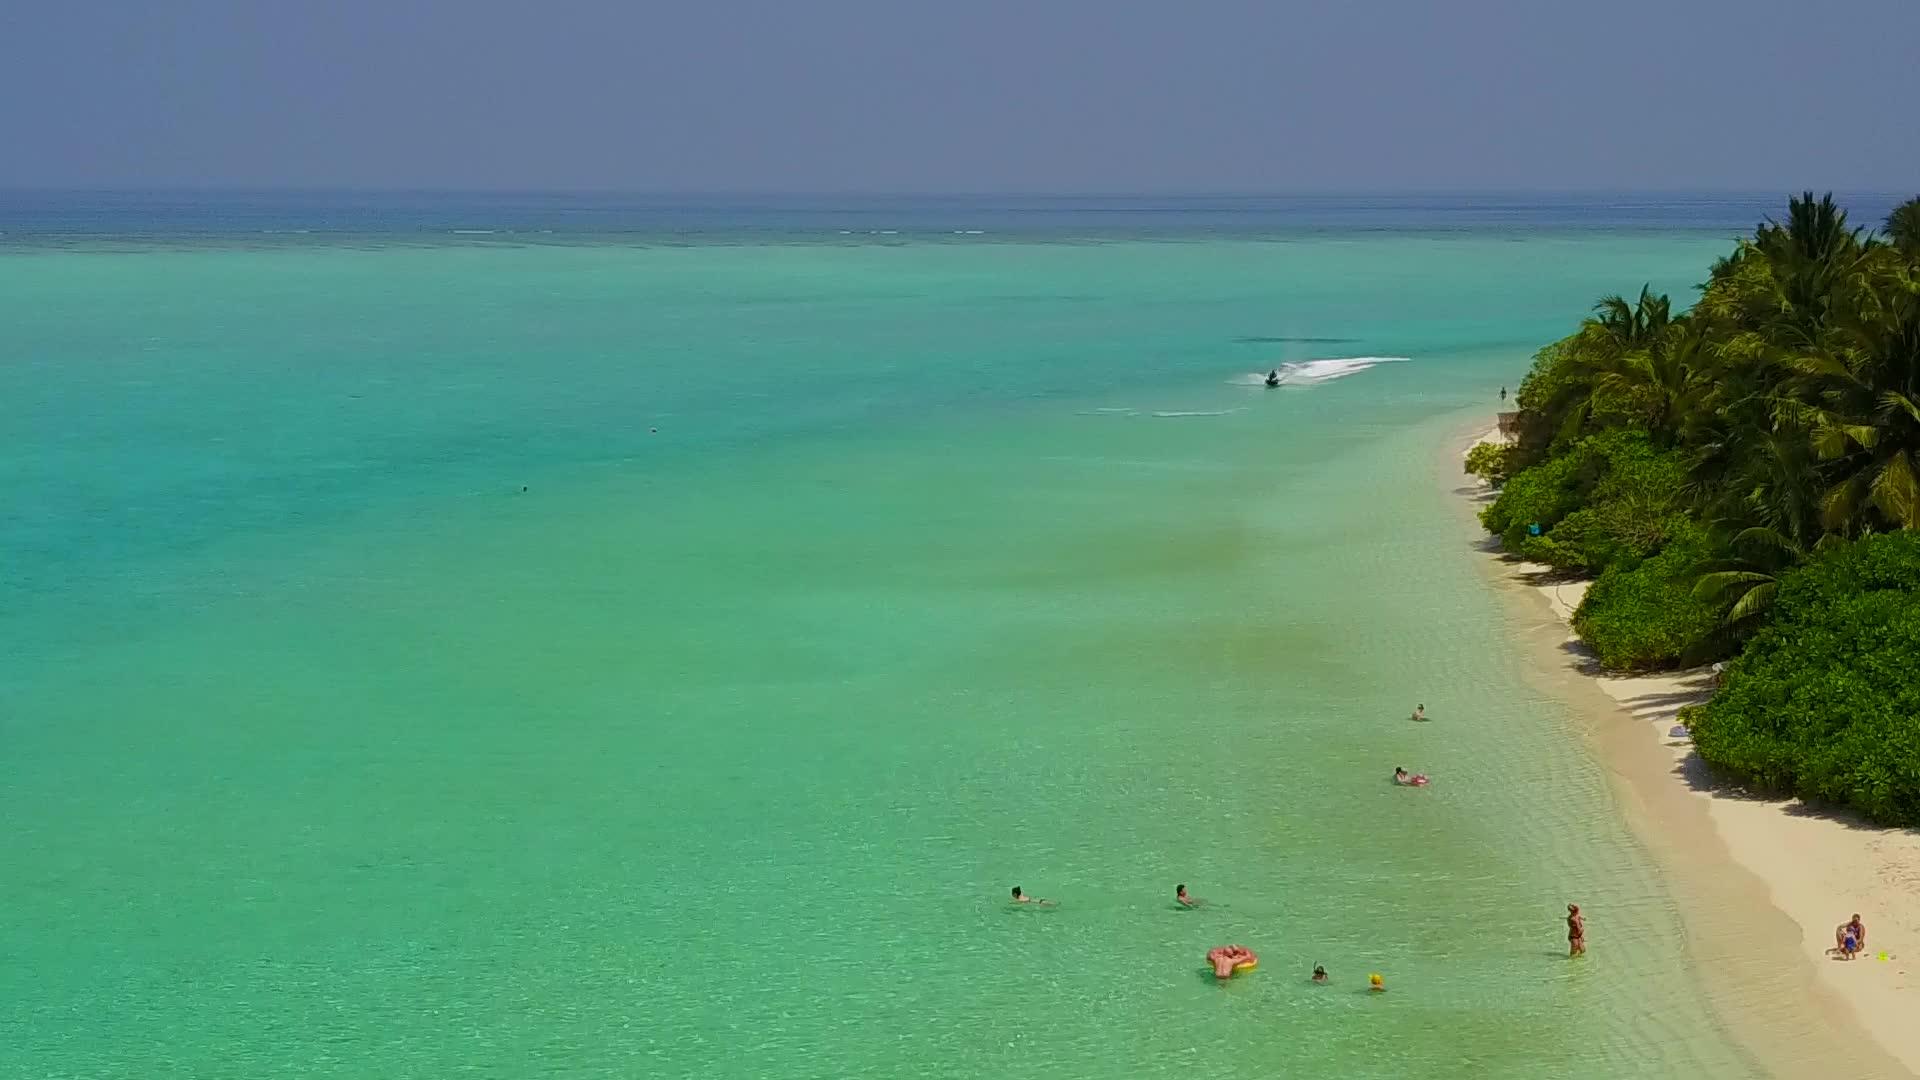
(657, 656)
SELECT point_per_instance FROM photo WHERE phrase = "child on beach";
(1849, 938)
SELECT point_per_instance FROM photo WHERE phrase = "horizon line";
(973, 193)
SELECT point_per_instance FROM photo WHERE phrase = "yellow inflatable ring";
(1246, 965)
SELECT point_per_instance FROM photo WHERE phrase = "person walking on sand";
(1576, 932)
(1022, 898)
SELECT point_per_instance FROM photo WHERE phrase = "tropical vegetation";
(1742, 481)
(1824, 700)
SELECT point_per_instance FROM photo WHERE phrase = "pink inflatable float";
(1230, 960)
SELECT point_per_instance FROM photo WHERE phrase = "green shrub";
(1608, 499)
(1642, 615)
(1539, 495)
(1825, 700)
(1598, 537)
(1488, 461)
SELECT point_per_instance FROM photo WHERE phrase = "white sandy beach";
(1818, 866)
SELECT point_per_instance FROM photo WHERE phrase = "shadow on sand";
(1702, 777)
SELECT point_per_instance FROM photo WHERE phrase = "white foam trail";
(1197, 412)
(1311, 372)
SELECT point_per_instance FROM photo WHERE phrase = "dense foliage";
(1709, 466)
(1609, 498)
(1644, 614)
(1488, 461)
(1825, 699)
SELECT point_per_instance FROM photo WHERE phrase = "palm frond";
(1712, 586)
(1755, 601)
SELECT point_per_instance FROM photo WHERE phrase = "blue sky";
(901, 96)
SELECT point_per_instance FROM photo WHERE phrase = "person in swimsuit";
(1376, 984)
(1319, 974)
(1180, 897)
(1022, 898)
(1850, 938)
(1419, 712)
(1576, 932)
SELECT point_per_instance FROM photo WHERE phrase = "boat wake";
(1314, 372)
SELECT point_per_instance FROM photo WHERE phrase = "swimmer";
(1376, 984)
(1407, 779)
(1503, 393)
(1419, 712)
(1180, 897)
(1319, 974)
(1576, 932)
(1273, 377)
(1022, 898)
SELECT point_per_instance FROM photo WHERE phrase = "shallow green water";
(382, 697)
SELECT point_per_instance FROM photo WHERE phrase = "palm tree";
(1860, 395)
(1616, 330)
(1623, 326)
(1665, 383)
(1816, 230)
(1903, 227)
(1809, 256)
(1758, 472)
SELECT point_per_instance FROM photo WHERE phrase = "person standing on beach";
(1576, 932)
